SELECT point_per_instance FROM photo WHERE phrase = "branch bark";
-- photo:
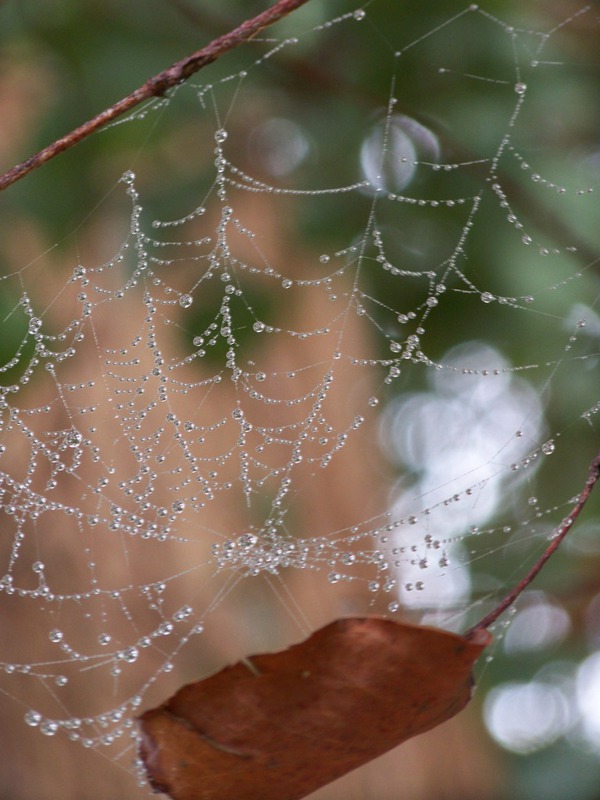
(156, 86)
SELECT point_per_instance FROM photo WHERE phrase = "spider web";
(216, 434)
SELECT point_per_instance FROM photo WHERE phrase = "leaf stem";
(156, 86)
(556, 538)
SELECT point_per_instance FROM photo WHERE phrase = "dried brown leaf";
(281, 725)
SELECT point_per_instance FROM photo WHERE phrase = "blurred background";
(316, 116)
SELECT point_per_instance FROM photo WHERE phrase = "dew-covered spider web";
(350, 367)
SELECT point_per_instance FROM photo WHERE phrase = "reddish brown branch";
(156, 86)
(557, 536)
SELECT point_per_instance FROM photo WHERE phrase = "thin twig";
(156, 86)
(557, 536)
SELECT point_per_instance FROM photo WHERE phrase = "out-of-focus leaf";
(281, 725)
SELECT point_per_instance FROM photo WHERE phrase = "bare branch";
(557, 536)
(156, 86)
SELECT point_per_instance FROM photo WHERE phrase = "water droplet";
(164, 629)
(520, 88)
(220, 135)
(104, 638)
(33, 718)
(548, 447)
(186, 300)
(129, 655)
(258, 327)
(73, 438)
(359, 14)
(183, 612)
(487, 297)
(55, 635)
(49, 728)
(128, 177)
